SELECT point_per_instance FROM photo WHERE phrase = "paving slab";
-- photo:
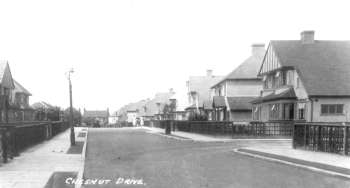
(35, 165)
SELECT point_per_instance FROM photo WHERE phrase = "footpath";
(328, 163)
(34, 168)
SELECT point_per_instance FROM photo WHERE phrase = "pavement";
(122, 156)
(34, 166)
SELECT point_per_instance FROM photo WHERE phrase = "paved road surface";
(165, 163)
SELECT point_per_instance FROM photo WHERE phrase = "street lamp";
(72, 134)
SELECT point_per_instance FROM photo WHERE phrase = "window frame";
(328, 107)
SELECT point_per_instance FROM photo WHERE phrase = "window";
(290, 77)
(332, 109)
(288, 111)
(256, 112)
(298, 82)
(301, 111)
(274, 111)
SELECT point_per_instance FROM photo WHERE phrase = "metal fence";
(15, 137)
(325, 137)
(229, 128)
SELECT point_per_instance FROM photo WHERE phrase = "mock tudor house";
(199, 97)
(305, 80)
(233, 93)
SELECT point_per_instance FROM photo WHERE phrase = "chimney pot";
(307, 37)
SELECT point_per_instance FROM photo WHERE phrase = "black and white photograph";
(174, 94)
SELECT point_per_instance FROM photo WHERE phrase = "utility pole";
(71, 119)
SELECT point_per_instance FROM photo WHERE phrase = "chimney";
(258, 49)
(307, 37)
(171, 90)
(209, 73)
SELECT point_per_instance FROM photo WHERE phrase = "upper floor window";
(332, 109)
(290, 77)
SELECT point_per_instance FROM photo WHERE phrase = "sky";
(126, 50)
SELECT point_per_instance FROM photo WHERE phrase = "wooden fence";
(325, 137)
(229, 128)
(16, 137)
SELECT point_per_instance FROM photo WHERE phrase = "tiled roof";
(20, 89)
(6, 81)
(42, 105)
(162, 98)
(96, 113)
(249, 69)
(201, 85)
(219, 101)
(288, 94)
(324, 66)
(240, 103)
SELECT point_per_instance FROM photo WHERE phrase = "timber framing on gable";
(270, 62)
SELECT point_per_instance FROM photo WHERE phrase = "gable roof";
(239, 103)
(323, 66)
(202, 85)
(42, 105)
(6, 79)
(287, 94)
(249, 69)
(162, 99)
(20, 89)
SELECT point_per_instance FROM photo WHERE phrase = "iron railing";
(229, 128)
(325, 137)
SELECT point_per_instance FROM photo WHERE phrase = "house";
(46, 112)
(92, 116)
(198, 91)
(305, 80)
(154, 109)
(20, 109)
(232, 94)
(6, 86)
(113, 118)
(180, 102)
(133, 113)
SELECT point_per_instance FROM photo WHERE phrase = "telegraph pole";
(71, 119)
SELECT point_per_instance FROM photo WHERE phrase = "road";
(152, 160)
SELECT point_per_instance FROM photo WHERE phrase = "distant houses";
(91, 117)
(305, 80)
(145, 110)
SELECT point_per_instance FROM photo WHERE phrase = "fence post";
(345, 140)
(4, 146)
(294, 136)
(319, 138)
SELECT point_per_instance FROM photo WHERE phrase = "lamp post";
(72, 134)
